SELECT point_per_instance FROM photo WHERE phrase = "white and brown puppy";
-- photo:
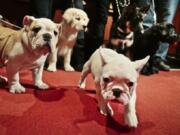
(115, 77)
(73, 21)
(27, 49)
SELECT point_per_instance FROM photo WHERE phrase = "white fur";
(30, 51)
(106, 63)
(74, 20)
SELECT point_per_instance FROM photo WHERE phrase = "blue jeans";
(160, 11)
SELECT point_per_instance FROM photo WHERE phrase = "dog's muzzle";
(85, 28)
(116, 92)
(47, 37)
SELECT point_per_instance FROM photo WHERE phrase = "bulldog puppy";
(73, 21)
(115, 77)
(27, 49)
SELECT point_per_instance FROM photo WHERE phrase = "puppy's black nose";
(116, 92)
(47, 37)
(84, 27)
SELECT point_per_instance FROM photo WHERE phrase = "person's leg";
(165, 11)
(41, 8)
(78, 57)
(101, 20)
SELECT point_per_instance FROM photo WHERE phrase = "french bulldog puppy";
(115, 77)
(27, 49)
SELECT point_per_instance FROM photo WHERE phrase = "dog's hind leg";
(52, 60)
(84, 73)
(13, 78)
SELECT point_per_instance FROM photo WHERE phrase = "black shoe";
(163, 66)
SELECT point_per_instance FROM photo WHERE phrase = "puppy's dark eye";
(36, 29)
(55, 33)
(130, 84)
(106, 79)
(78, 18)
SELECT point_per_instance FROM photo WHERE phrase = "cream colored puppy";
(115, 77)
(27, 49)
(74, 20)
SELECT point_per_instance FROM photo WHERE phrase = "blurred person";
(161, 11)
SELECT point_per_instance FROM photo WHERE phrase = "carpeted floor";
(66, 110)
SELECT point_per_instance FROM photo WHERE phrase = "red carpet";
(66, 110)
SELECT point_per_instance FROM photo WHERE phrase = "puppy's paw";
(82, 85)
(52, 68)
(106, 110)
(17, 88)
(68, 68)
(42, 85)
(131, 119)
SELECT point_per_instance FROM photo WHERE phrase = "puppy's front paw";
(17, 88)
(106, 109)
(42, 85)
(52, 67)
(68, 68)
(131, 119)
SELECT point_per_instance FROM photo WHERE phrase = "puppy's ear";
(27, 20)
(68, 14)
(139, 64)
(108, 55)
(145, 9)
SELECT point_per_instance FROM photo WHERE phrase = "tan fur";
(26, 49)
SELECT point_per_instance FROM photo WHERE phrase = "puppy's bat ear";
(27, 20)
(108, 55)
(139, 64)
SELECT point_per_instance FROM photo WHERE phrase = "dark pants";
(98, 13)
(41, 8)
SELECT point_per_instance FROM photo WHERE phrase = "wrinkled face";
(42, 34)
(118, 83)
(77, 18)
